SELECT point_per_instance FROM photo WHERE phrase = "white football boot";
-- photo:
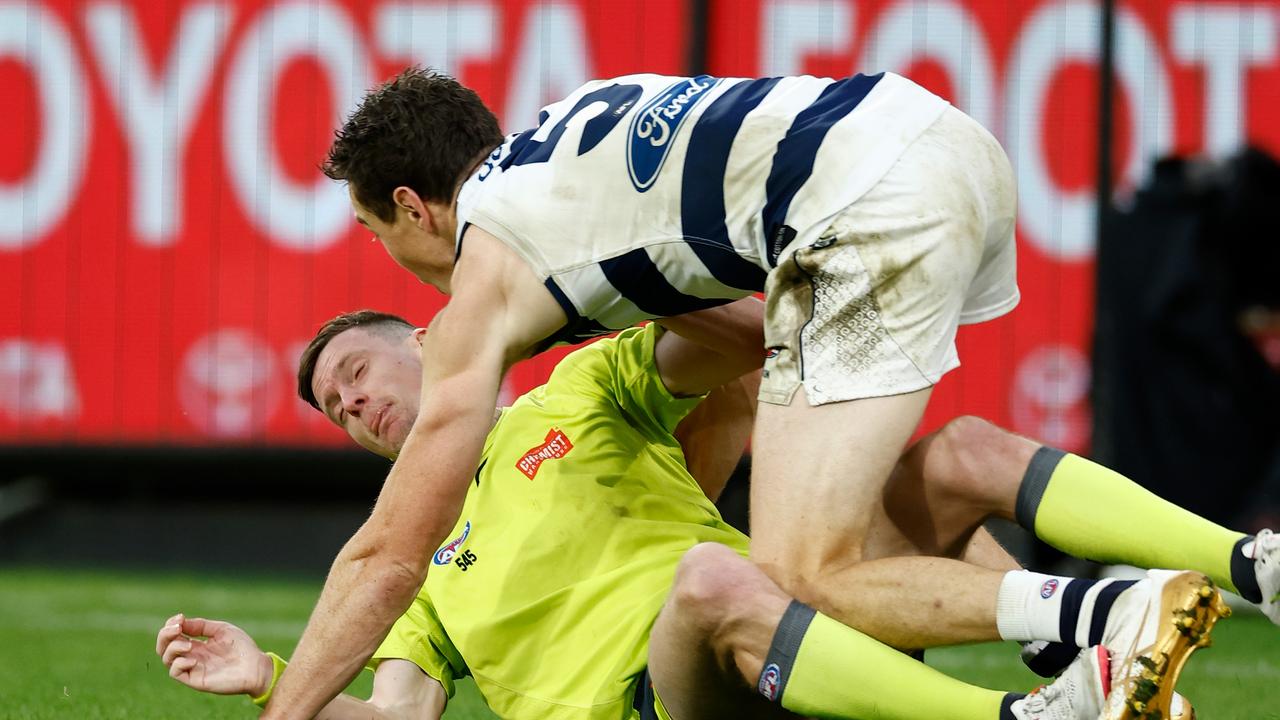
(1151, 631)
(1265, 551)
(1079, 693)
(1179, 708)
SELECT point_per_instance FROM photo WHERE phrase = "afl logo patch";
(769, 680)
(655, 125)
(1049, 587)
(445, 554)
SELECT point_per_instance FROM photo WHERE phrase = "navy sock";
(1075, 604)
(1050, 659)
(1006, 706)
(1242, 574)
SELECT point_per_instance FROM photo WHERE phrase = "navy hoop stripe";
(797, 150)
(1107, 597)
(1072, 603)
(702, 201)
(641, 283)
(577, 329)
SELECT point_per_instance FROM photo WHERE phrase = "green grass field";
(81, 645)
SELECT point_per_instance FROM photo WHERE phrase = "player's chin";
(379, 446)
(394, 432)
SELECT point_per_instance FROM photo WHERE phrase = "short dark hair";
(371, 320)
(421, 129)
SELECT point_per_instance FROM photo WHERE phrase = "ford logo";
(656, 124)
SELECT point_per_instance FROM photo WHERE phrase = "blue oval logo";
(655, 126)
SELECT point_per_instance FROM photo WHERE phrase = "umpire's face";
(368, 383)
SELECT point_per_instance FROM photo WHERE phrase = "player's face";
(368, 384)
(404, 238)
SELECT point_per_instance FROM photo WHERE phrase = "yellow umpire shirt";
(567, 543)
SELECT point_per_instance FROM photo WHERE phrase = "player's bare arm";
(217, 657)
(401, 690)
(714, 348)
(498, 313)
(709, 348)
(714, 435)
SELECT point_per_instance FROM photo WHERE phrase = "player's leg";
(818, 476)
(810, 538)
(728, 631)
(972, 469)
(860, 324)
(947, 484)
(872, 309)
(1089, 511)
(957, 477)
(985, 551)
(934, 508)
(696, 672)
(927, 601)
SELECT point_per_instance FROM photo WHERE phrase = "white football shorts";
(871, 307)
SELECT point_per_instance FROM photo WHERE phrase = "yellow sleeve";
(419, 638)
(622, 368)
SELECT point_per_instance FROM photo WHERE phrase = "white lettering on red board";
(37, 381)
(159, 101)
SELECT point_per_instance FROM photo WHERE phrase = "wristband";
(277, 668)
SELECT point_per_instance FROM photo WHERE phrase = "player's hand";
(213, 656)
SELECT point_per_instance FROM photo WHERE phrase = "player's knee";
(705, 576)
(707, 584)
(977, 458)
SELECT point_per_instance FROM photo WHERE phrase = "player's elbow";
(397, 572)
(393, 539)
(402, 576)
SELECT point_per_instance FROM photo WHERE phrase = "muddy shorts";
(871, 307)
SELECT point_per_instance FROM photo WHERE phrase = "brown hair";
(421, 129)
(371, 320)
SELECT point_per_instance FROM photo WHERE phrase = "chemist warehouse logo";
(556, 446)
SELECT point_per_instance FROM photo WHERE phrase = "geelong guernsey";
(567, 543)
(647, 196)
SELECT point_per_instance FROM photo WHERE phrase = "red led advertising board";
(167, 244)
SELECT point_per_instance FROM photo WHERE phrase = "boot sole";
(1190, 605)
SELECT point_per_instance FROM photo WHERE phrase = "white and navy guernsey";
(647, 196)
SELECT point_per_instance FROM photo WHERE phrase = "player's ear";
(417, 335)
(407, 199)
